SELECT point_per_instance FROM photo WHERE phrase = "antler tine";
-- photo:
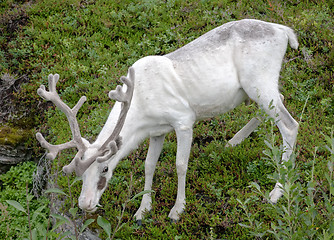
(77, 165)
(77, 142)
(53, 149)
(114, 141)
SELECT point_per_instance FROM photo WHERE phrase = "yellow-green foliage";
(92, 43)
(13, 136)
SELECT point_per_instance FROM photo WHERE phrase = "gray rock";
(12, 155)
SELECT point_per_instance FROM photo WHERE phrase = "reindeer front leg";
(154, 150)
(184, 139)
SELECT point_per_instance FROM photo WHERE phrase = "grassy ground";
(92, 43)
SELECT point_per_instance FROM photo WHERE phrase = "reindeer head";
(91, 161)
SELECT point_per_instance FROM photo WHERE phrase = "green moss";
(13, 136)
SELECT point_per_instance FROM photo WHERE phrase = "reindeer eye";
(105, 170)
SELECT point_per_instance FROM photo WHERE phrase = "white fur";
(209, 76)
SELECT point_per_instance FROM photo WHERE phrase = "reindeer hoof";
(173, 221)
(139, 222)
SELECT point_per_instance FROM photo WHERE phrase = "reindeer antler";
(113, 143)
(77, 142)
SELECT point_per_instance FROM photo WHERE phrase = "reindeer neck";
(108, 126)
(132, 133)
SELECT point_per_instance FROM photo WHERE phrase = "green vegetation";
(16, 187)
(12, 136)
(306, 208)
(91, 44)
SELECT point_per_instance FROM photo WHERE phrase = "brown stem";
(72, 205)
(30, 232)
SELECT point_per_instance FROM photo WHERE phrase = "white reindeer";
(207, 77)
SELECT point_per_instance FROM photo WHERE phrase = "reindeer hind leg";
(267, 96)
(243, 133)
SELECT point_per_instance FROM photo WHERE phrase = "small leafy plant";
(19, 207)
(305, 210)
(106, 225)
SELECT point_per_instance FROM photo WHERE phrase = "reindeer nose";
(85, 204)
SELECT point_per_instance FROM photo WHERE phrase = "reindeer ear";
(112, 148)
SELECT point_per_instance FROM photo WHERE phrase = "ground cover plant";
(91, 43)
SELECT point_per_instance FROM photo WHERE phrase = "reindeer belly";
(218, 103)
